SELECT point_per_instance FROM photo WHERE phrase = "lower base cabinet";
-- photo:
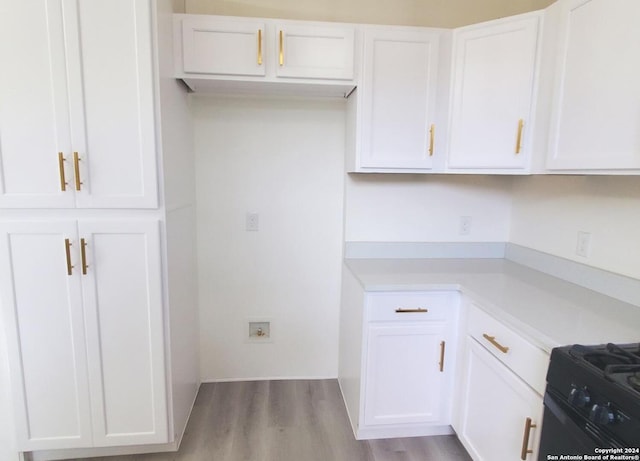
(82, 306)
(500, 416)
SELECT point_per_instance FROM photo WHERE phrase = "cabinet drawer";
(415, 306)
(526, 360)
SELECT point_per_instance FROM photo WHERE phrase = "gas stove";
(592, 399)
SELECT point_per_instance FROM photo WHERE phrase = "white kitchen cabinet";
(306, 51)
(493, 94)
(396, 101)
(82, 303)
(402, 369)
(76, 105)
(595, 121)
(221, 46)
(222, 53)
(404, 382)
(501, 379)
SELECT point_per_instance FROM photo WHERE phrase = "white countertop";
(546, 310)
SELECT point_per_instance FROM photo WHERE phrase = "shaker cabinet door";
(493, 89)
(77, 120)
(122, 291)
(595, 120)
(398, 100)
(40, 296)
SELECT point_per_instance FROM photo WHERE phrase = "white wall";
(281, 158)
(434, 13)
(548, 212)
(427, 208)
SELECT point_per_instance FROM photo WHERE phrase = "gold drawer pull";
(83, 254)
(281, 54)
(496, 344)
(519, 137)
(441, 363)
(63, 181)
(419, 310)
(76, 167)
(259, 47)
(528, 425)
(67, 250)
(431, 136)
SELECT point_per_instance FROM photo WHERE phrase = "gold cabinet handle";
(76, 167)
(259, 47)
(496, 344)
(432, 130)
(63, 181)
(528, 425)
(67, 250)
(281, 54)
(419, 310)
(519, 137)
(441, 363)
(83, 254)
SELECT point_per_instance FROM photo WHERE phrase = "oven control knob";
(602, 414)
(579, 397)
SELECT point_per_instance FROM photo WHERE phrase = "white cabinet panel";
(397, 100)
(75, 86)
(123, 303)
(495, 406)
(222, 46)
(492, 94)
(34, 107)
(44, 321)
(87, 342)
(314, 52)
(404, 383)
(595, 115)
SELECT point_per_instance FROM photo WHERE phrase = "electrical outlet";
(583, 246)
(465, 225)
(253, 222)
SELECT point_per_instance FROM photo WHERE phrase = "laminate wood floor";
(297, 420)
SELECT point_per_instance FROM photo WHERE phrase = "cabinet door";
(398, 99)
(223, 47)
(34, 111)
(493, 88)
(112, 102)
(404, 383)
(315, 52)
(495, 406)
(43, 317)
(122, 292)
(595, 117)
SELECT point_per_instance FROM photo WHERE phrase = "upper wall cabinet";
(493, 92)
(394, 111)
(76, 105)
(595, 123)
(221, 53)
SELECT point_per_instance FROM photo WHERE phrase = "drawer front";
(411, 306)
(526, 360)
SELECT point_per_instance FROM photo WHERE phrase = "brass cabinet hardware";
(528, 425)
(259, 47)
(492, 340)
(83, 254)
(63, 181)
(441, 363)
(431, 136)
(419, 310)
(76, 167)
(281, 55)
(519, 137)
(67, 250)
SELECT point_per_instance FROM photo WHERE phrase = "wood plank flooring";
(297, 420)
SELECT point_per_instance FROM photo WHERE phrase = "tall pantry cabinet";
(97, 264)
